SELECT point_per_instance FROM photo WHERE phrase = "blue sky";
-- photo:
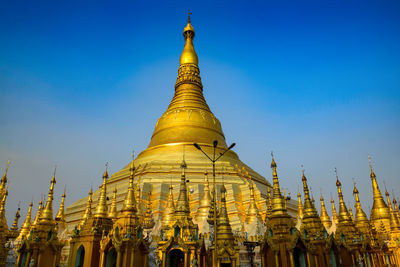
(82, 83)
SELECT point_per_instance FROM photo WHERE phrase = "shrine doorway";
(80, 257)
(176, 258)
(111, 258)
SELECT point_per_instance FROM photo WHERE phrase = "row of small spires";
(44, 213)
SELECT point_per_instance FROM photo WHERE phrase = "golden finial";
(189, 13)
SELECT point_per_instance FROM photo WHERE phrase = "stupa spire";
(38, 213)
(224, 230)
(205, 202)
(148, 221)
(60, 217)
(27, 223)
(252, 212)
(130, 201)
(188, 111)
(396, 208)
(278, 203)
(326, 221)
(344, 215)
(88, 211)
(300, 213)
(47, 213)
(4, 181)
(380, 209)
(113, 213)
(14, 226)
(168, 215)
(394, 221)
(3, 211)
(182, 204)
(361, 217)
(309, 209)
(101, 210)
(335, 217)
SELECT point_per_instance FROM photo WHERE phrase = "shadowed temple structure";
(188, 200)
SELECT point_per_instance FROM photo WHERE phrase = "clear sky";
(317, 82)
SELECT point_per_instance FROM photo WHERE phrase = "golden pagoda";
(144, 226)
(188, 119)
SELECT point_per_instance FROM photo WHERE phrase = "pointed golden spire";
(361, 218)
(88, 211)
(4, 181)
(130, 200)
(3, 211)
(205, 202)
(379, 208)
(335, 217)
(252, 212)
(344, 215)
(182, 204)
(300, 213)
(309, 209)
(169, 212)
(38, 214)
(351, 214)
(395, 207)
(113, 213)
(269, 203)
(278, 203)
(27, 223)
(394, 221)
(326, 221)
(139, 199)
(47, 214)
(189, 55)
(224, 230)
(101, 210)
(148, 221)
(60, 217)
(14, 226)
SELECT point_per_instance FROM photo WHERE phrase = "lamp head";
(196, 145)
(231, 146)
(215, 143)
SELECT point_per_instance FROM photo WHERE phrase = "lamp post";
(213, 160)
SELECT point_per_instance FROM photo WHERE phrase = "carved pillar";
(291, 258)
(276, 259)
(118, 258)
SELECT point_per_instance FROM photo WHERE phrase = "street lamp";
(213, 160)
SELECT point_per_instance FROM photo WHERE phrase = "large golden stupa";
(188, 119)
